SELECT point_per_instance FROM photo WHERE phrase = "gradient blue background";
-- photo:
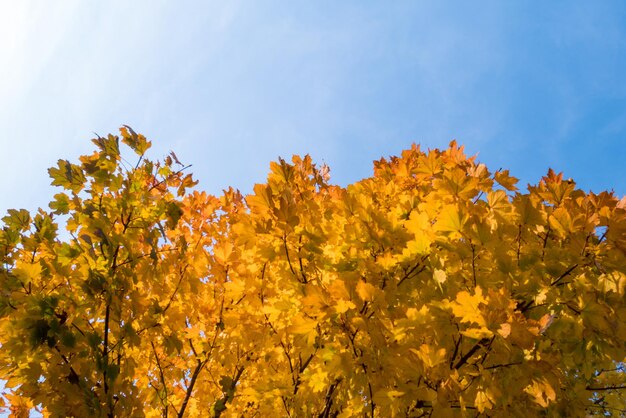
(230, 86)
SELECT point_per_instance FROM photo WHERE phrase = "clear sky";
(230, 86)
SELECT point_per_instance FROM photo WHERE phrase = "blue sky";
(230, 86)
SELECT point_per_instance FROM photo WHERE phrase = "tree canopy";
(433, 288)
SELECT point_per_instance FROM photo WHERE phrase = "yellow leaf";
(387, 261)
(223, 251)
(561, 221)
(338, 290)
(419, 225)
(430, 356)
(451, 219)
(483, 401)
(318, 380)
(261, 202)
(303, 325)
(305, 328)
(467, 307)
(477, 333)
(614, 281)
(506, 181)
(542, 392)
(28, 272)
(505, 330)
(419, 245)
(385, 397)
(342, 306)
(418, 315)
(440, 277)
(395, 394)
(529, 214)
(314, 298)
(544, 322)
(417, 222)
(365, 290)
(523, 331)
(498, 202)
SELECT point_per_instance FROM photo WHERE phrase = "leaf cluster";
(433, 288)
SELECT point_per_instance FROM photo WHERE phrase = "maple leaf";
(483, 401)
(430, 356)
(136, 142)
(542, 392)
(451, 219)
(68, 176)
(467, 307)
(505, 180)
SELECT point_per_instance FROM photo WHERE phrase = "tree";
(433, 288)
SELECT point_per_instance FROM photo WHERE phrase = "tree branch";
(289, 259)
(410, 274)
(472, 351)
(163, 400)
(457, 344)
(194, 377)
(562, 276)
(596, 389)
(328, 402)
(105, 357)
(168, 177)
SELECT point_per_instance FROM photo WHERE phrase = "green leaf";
(226, 382)
(109, 146)
(174, 213)
(17, 219)
(61, 204)
(67, 175)
(39, 333)
(68, 339)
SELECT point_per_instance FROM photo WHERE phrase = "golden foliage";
(433, 288)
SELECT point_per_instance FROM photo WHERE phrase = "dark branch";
(164, 398)
(472, 351)
(562, 276)
(192, 383)
(597, 389)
